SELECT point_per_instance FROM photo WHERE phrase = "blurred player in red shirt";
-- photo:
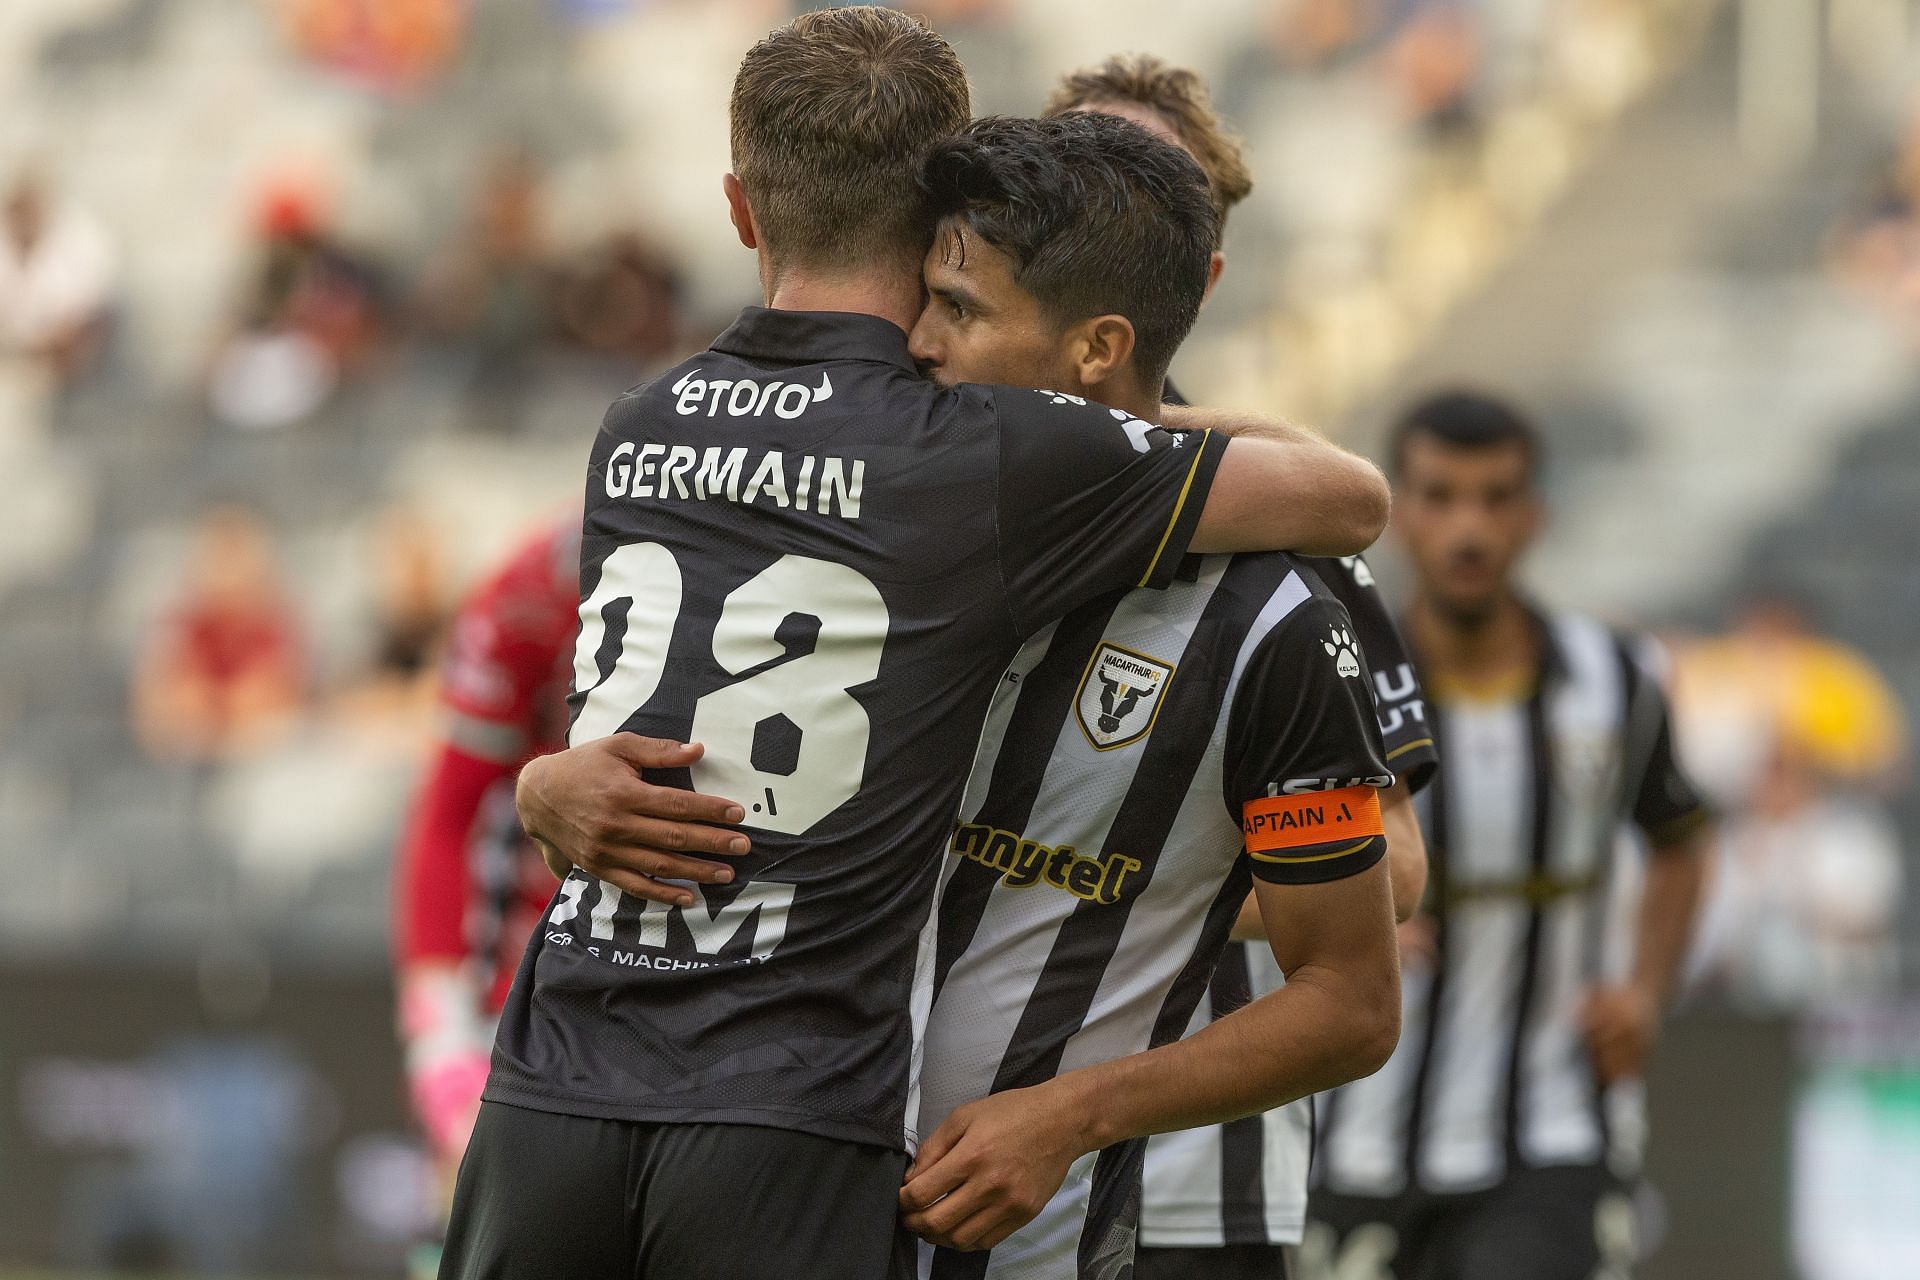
(471, 885)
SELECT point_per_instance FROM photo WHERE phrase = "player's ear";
(740, 211)
(1105, 349)
(1215, 265)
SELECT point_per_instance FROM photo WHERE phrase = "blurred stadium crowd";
(307, 311)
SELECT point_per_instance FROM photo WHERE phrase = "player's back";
(801, 555)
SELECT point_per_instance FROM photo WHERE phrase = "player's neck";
(1468, 653)
(889, 293)
(1128, 396)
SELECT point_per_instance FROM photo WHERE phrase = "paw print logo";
(1344, 652)
(1061, 397)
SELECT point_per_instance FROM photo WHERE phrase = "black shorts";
(1575, 1223)
(1222, 1262)
(544, 1196)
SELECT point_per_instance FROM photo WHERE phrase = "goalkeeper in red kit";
(470, 884)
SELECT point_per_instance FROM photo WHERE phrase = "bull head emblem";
(1116, 702)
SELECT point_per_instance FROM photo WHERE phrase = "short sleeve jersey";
(802, 555)
(1245, 1183)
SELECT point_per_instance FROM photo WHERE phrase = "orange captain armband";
(1275, 825)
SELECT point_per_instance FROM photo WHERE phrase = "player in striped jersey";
(1500, 1141)
(1222, 1201)
(1144, 760)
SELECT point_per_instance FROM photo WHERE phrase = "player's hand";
(1621, 1024)
(589, 807)
(990, 1168)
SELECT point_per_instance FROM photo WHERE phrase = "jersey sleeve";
(435, 875)
(1091, 500)
(1304, 762)
(1665, 803)
(1398, 700)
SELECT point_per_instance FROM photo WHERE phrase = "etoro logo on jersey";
(1120, 696)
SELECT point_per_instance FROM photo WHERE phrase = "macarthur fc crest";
(1120, 696)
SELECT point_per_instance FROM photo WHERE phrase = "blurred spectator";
(57, 278)
(495, 290)
(392, 45)
(313, 313)
(625, 302)
(1769, 688)
(1317, 33)
(1878, 251)
(410, 614)
(223, 672)
(1805, 897)
(1433, 61)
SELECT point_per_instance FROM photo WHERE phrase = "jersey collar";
(1553, 668)
(814, 337)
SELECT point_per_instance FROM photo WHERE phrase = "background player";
(1502, 1138)
(1223, 1200)
(824, 583)
(470, 886)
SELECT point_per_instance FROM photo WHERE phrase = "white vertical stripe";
(1048, 1247)
(919, 1007)
(993, 733)
(1181, 1208)
(1288, 1132)
(1463, 1143)
(1283, 1169)
(1490, 818)
(1557, 1121)
(1583, 722)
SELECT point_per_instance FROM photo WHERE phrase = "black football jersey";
(801, 554)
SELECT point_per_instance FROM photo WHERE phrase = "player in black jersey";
(1222, 1202)
(801, 555)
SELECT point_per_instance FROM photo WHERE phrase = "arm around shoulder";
(1303, 494)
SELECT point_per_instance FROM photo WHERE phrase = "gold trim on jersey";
(1179, 505)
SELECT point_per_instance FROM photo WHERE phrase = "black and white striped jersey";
(805, 556)
(1532, 882)
(1246, 1182)
(1143, 759)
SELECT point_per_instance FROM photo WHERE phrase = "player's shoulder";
(1348, 577)
(535, 583)
(1287, 593)
(1054, 414)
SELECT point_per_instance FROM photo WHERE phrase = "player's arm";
(439, 998)
(487, 689)
(995, 1163)
(1284, 488)
(1401, 706)
(1622, 1020)
(1091, 500)
(1406, 865)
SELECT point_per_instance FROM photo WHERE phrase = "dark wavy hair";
(1465, 419)
(1099, 216)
